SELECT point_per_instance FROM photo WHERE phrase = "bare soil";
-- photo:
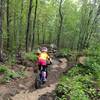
(23, 89)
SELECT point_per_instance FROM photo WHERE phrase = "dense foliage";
(71, 23)
(31, 56)
(82, 81)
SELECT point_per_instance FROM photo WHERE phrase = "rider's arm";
(49, 59)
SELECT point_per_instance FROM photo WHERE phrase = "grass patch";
(9, 74)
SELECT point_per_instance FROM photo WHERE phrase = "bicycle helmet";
(44, 49)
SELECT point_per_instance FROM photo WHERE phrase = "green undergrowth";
(31, 56)
(64, 52)
(82, 82)
(9, 74)
(11, 60)
(77, 84)
(68, 54)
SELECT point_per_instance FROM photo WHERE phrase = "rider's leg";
(39, 67)
(46, 72)
(40, 71)
(45, 69)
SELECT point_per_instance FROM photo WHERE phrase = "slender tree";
(20, 23)
(14, 35)
(34, 23)
(8, 26)
(88, 25)
(1, 33)
(93, 28)
(28, 24)
(38, 35)
(43, 32)
(50, 38)
(60, 23)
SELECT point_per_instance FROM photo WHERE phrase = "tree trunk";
(1, 33)
(50, 38)
(14, 39)
(8, 28)
(60, 26)
(93, 28)
(43, 40)
(28, 24)
(38, 35)
(90, 27)
(20, 24)
(34, 23)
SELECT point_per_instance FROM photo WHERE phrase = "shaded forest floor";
(20, 89)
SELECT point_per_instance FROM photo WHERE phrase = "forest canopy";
(73, 24)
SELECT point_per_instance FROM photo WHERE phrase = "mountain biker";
(43, 57)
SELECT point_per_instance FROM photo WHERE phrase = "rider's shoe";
(45, 80)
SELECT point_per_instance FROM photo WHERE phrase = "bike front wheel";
(37, 83)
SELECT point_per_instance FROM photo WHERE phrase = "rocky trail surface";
(45, 93)
(23, 89)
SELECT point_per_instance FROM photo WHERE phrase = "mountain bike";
(41, 77)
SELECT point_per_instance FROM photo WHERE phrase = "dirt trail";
(56, 70)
